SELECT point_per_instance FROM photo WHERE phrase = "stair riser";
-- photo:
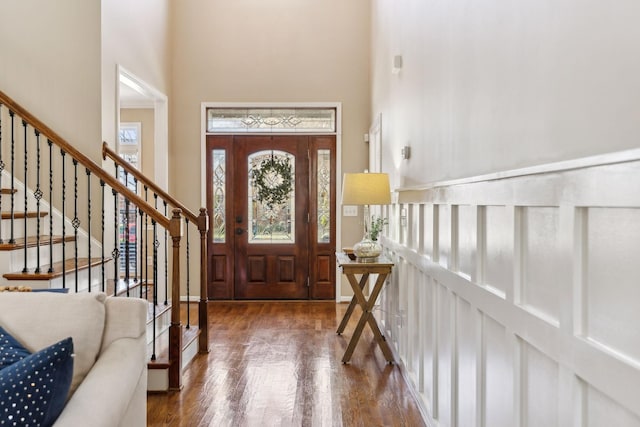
(17, 256)
(157, 379)
(163, 322)
(19, 231)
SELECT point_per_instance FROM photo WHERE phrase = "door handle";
(239, 231)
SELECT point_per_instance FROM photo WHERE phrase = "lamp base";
(367, 250)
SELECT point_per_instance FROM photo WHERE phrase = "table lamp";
(366, 189)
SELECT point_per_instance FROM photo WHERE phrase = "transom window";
(265, 120)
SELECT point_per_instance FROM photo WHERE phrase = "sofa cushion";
(38, 319)
(33, 390)
(11, 350)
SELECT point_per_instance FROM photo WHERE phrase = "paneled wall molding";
(445, 190)
(514, 300)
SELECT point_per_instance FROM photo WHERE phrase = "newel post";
(175, 330)
(203, 315)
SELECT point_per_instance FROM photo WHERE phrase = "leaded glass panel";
(219, 223)
(324, 196)
(271, 201)
(282, 120)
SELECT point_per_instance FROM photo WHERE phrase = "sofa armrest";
(103, 398)
(124, 317)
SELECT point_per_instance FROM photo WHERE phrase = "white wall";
(51, 65)
(510, 303)
(493, 85)
(136, 36)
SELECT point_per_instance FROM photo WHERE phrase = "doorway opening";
(143, 142)
(271, 200)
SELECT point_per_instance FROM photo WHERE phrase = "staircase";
(63, 224)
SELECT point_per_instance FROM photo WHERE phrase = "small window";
(266, 120)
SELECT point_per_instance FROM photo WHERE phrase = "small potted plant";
(376, 227)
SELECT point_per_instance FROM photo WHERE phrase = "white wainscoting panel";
(539, 372)
(445, 308)
(543, 269)
(612, 282)
(467, 235)
(444, 235)
(497, 236)
(515, 297)
(467, 352)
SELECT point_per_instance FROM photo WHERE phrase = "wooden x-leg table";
(382, 267)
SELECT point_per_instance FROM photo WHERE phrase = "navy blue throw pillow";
(11, 350)
(33, 391)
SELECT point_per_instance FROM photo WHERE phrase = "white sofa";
(109, 384)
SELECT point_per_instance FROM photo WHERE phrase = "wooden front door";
(267, 242)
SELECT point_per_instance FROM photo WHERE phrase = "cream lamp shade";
(366, 189)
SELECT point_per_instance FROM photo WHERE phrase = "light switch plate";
(349, 210)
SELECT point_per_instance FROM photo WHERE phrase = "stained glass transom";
(324, 196)
(222, 120)
(219, 223)
(271, 223)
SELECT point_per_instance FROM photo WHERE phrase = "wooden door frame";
(281, 105)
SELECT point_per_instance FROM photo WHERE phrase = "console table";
(350, 268)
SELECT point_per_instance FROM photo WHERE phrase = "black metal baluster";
(26, 143)
(115, 254)
(102, 242)
(146, 249)
(140, 232)
(13, 172)
(64, 219)
(38, 195)
(136, 237)
(127, 253)
(155, 288)
(89, 223)
(126, 234)
(76, 221)
(188, 276)
(166, 264)
(155, 238)
(50, 205)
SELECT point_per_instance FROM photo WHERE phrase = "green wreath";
(273, 181)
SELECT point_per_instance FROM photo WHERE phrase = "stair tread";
(7, 191)
(32, 241)
(21, 215)
(121, 287)
(69, 266)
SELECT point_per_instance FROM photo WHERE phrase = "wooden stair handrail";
(108, 152)
(84, 160)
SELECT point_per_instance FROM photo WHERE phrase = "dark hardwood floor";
(279, 364)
